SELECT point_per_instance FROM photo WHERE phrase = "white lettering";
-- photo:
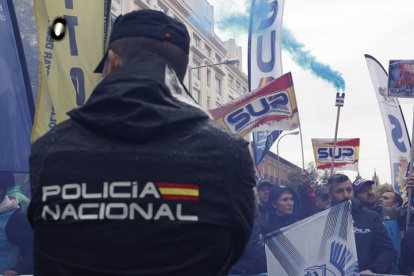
(180, 216)
(46, 210)
(134, 189)
(85, 192)
(102, 211)
(84, 206)
(149, 189)
(50, 191)
(105, 190)
(135, 207)
(121, 206)
(69, 211)
(114, 185)
(66, 188)
(164, 211)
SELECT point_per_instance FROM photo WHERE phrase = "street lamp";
(190, 76)
(277, 149)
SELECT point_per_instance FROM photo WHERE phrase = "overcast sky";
(339, 33)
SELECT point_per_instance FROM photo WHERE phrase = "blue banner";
(16, 100)
(262, 142)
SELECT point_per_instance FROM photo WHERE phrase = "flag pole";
(409, 190)
(339, 103)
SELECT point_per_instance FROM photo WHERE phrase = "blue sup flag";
(331, 250)
(16, 100)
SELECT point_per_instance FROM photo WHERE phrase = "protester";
(374, 248)
(391, 210)
(263, 188)
(139, 181)
(365, 193)
(391, 199)
(16, 238)
(407, 253)
(283, 206)
(322, 198)
(307, 197)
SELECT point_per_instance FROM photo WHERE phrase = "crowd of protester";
(379, 246)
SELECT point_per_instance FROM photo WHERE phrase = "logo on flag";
(331, 251)
(345, 157)
(401, 78)
(267, 108)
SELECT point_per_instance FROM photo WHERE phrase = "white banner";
(395, 128)
(265, 59)
(331, 250)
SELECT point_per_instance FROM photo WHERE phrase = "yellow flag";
(66, 77)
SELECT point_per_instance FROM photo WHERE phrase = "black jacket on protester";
(138, 182)
(407, 253)
(374, 247)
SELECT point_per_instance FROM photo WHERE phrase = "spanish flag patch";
(178, 191)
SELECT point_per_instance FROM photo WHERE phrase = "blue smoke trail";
(240, 23)
(307, 61)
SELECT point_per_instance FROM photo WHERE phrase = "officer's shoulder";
(222, 134)
(52, 135)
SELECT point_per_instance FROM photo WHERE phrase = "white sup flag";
(321, 245)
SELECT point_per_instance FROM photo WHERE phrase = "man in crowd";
(263, 189)
(374, 248)
(322, 200)
(365, 193)
(391, 199)
(139, 180)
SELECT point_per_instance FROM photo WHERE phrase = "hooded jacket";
(270, 221)
(140, 182)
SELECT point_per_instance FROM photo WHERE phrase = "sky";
(337, 33)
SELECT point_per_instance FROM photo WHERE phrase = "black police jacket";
(138, 182)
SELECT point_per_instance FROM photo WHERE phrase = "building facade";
(211, 85)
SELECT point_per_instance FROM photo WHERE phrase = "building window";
(218, 86)
(208, 102)
(264, 167)
(244, 90)
(238, 86)
(218, 104)
(196, 41)
(231, 98)
(208, 77)
(196, 68)
(218, 59)
(231, 80)
(208, 51)
(197, 95)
